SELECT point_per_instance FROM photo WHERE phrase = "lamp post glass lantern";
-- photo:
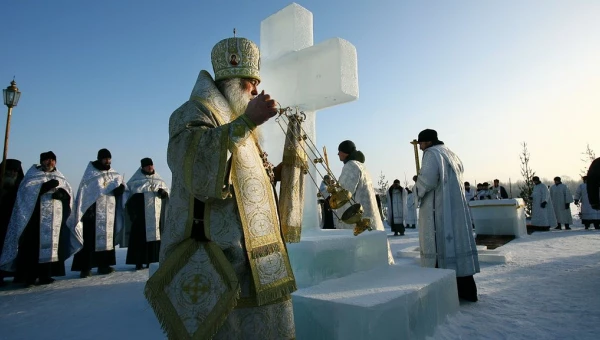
(11, 96)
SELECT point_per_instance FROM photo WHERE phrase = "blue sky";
(487, 75)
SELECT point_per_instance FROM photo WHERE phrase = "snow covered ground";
(549, 290)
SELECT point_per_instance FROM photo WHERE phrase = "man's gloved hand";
(567, 205)
(543, 205)
(51, 184)
(576, 202)
(162, 193)
(60, 195)
(118, 191)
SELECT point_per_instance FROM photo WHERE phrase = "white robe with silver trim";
(51, 218)
(96, 187)
(445, 231)
(154, 207)
(411, 209)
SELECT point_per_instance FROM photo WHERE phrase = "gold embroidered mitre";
(236, 58)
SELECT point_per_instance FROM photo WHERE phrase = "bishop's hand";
(543, 205)
(261, 108)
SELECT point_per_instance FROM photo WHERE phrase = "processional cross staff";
(415, 143)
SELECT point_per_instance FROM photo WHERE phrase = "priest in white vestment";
(356, 179)
(411, 209)
(144, 215)
(224, 269)
(469, 193)
(98, 215)
(38, 241)
(561, 202)
(445, 232)
(396, 203)
(542, 213)
(589, 216)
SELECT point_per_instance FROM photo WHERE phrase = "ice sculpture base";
(392, 302)
(330, 254)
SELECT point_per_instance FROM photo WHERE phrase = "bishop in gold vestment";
(224, 268)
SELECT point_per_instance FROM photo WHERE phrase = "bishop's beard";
(238, 100)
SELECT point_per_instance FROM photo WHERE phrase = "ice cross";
(298, 74)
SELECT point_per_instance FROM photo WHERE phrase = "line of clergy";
(44, 222)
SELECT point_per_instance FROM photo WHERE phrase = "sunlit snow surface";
(548, 290)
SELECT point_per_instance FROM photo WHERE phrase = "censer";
(298, 146)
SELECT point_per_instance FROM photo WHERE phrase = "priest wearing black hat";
(98, 215)
(38, 239)
(145, 213)
(445, 232)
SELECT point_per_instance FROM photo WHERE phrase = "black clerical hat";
(103, 153)
(47, 155)
(428, 135)
(347, 146)
(146, 161)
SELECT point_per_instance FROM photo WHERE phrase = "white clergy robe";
(561, 196)
(411, 209)
(356, 179)
(587, 213)
(445, 232)
(542, 217)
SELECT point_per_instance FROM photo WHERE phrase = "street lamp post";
(11, 98)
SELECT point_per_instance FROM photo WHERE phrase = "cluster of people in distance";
(551, 206)
(44, 222)
(484, 192)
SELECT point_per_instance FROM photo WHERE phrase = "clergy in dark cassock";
(396, 204)
(38, 239)
(98, 215)
(145, 213)
(8, 194)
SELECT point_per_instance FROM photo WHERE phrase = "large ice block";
(290, 29)
(328, 254)
(393, 302)
(499, 217)
(298, 74)
(314, 78)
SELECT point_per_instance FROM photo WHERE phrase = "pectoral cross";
(415, 143)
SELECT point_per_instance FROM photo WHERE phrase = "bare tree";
(588, 157)
(382, 184)
(527, 186)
